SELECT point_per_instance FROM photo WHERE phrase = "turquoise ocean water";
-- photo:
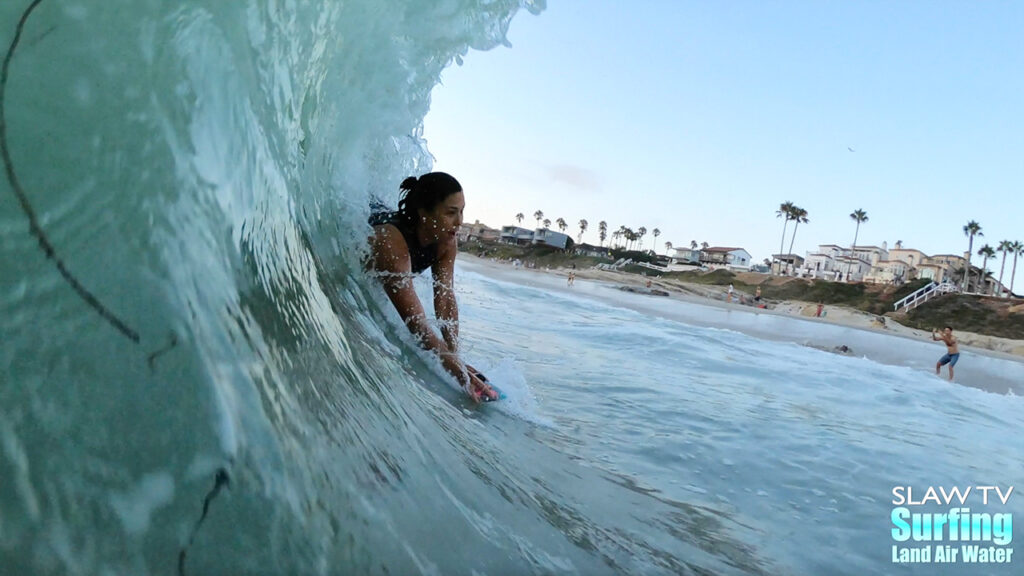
(197, 378)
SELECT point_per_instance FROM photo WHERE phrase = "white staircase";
(617, 265)
(923, 295)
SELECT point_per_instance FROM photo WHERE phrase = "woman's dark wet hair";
(425, 193)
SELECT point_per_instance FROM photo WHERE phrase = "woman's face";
(442, 223)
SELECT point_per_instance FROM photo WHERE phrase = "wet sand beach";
(715, 296)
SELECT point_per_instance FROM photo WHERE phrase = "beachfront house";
(685, 256)
(552, 238)
(889, 272)
(912, 257)
(724, 257)
(822, 264)
(516, 235)
(852, 268)
(902, 265)
(585, 249)
(871, 254)
(943, 268)
(855, 264)
(786, 264)
(683, 259)
(477, 231)
(990, 285)
(933, 272)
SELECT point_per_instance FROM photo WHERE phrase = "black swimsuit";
(420, 257)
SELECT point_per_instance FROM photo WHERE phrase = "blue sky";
(700, 118)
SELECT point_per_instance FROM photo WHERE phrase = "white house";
(725, 257)
(871, 254)
(822, 264)
(833, 261)
(685, 256)
(889, 272)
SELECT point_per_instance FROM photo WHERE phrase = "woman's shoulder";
(388, 246)
(387, 234)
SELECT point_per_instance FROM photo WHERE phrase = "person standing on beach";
(730, 292)
(572, 278)
(421, 234)
(952, 349)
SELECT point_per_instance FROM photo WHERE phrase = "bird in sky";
(850, 149)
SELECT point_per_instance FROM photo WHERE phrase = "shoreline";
(710, 295)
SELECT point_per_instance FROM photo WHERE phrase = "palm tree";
(693, 244)
(602, 231)
(799, 215)
(704, 245)
(655, 233)
(1005, 246)
(668, 247)
(640, 233)
(858, 216)
(971, 229)
(1017, 249)
(538, 215)
(519, 217)
(987, 252)
(583, 228)
(547, 223)
(785, 211)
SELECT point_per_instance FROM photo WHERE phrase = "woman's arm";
(445, 306)
(447, 310)
(390, 260)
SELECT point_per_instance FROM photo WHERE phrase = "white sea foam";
(135, 506)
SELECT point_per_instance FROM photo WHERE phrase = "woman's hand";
(467, 377)
(478, 387)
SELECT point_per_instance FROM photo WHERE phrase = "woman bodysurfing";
(421, 234)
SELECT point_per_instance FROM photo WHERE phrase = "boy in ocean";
(952, 349)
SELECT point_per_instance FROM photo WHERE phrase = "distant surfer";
(421, 235)
(952, 349)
